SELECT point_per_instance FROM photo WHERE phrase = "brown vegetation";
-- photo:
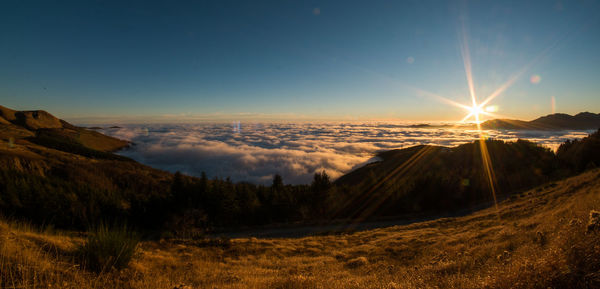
(537, 239)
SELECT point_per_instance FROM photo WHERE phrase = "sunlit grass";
(539, 241)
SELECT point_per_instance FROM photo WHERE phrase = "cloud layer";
(254, 152)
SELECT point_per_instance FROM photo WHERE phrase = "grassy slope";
(27, 124)
(535, 240)
(8, 131)
(100, 142)
(3, 121)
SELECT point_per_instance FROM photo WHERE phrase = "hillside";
(557, 121)
(537, 239)
(39, 125)
(54, 172)
(441, 179)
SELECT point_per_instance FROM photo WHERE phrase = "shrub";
(108, 248)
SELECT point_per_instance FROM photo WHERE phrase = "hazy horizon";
(258, 118)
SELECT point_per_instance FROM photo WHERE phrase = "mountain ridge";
(557, 121)
(36, 125)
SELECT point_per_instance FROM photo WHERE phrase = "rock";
(574, 222)
(504, 257)
(540, 237)
(594, 222)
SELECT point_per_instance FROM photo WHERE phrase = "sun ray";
(510, 81)
(466, 55)
(466, 117)
(439, 97)
(487, 166)
(519, 73)
(374, 202)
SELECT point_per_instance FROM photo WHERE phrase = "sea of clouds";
(254, 152)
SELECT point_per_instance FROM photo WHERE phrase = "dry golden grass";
(535, 240)
(98, 141)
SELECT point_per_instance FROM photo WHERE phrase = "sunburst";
(475, 112)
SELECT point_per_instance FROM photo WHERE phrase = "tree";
(320, 188)
(178, 190)
(277, 183)
(321, 182)
(200, 196)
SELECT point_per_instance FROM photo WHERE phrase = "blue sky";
(334, 60)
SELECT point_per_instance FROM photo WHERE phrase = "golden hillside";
(28, 126)
(538, 239)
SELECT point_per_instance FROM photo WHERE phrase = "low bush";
(108, 248)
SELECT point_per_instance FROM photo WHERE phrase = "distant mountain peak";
(556, 121)
(40, 123)
(587, 114)
(31, 119)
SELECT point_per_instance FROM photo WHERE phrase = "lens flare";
(491, 108)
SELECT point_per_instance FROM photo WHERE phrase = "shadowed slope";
(3, 121)
(431, 178)
(581, 154)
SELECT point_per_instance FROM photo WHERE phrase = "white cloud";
(296, 151)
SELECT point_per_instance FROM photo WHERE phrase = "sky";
(155, 61)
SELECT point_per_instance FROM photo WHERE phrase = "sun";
(475, 111)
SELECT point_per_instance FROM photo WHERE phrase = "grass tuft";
(357, 262)
(108, 248)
